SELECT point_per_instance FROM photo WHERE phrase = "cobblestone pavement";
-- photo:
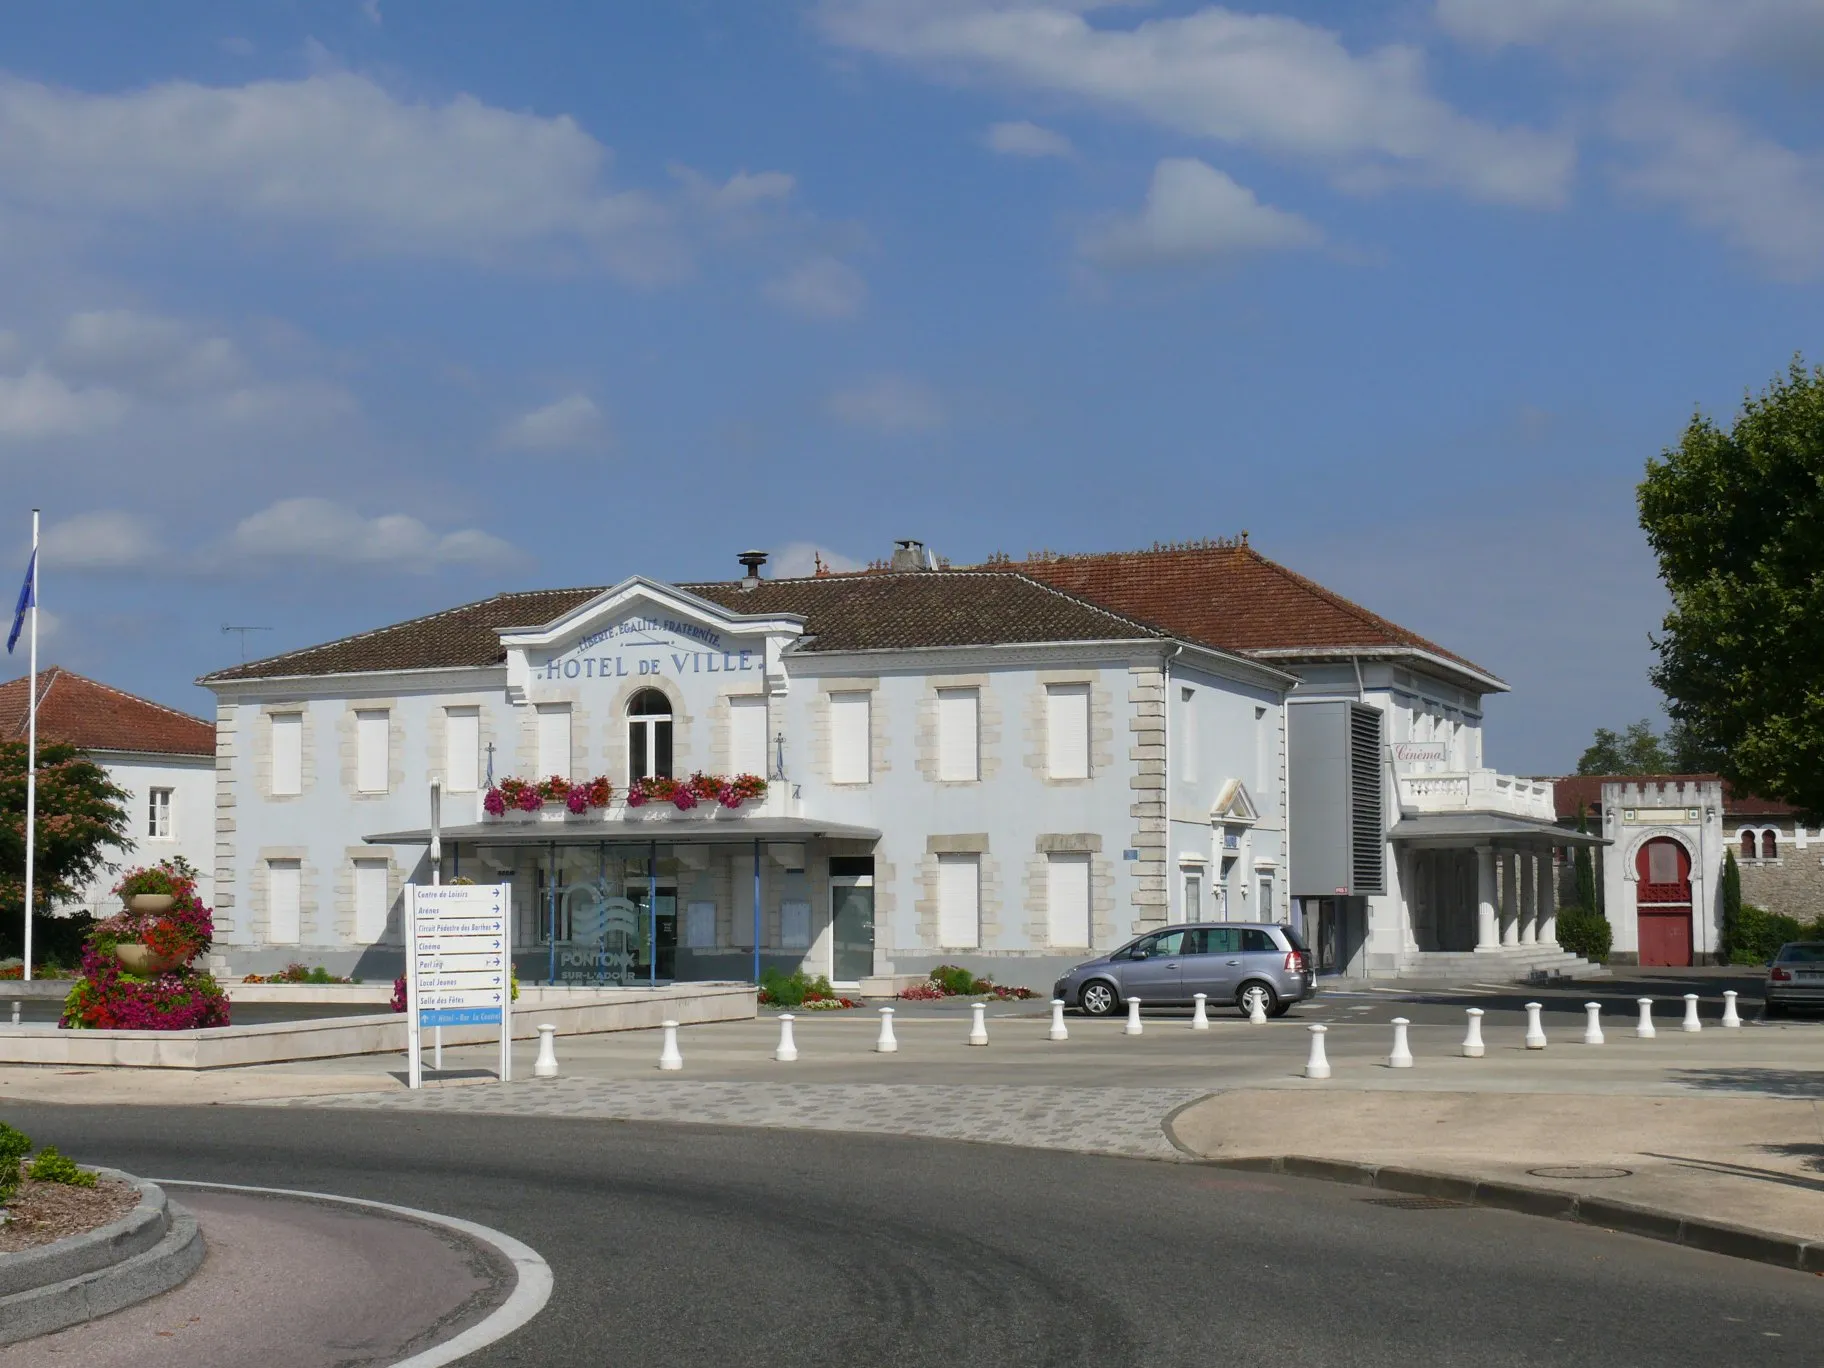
(1120, 1121)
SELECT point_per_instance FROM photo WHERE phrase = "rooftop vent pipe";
(751, 561)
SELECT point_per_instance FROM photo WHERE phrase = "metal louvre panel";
(1367, 817)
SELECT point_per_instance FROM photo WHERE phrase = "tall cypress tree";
(1584, 867)
(1732, 905)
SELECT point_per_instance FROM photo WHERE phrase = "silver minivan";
(1228, 962)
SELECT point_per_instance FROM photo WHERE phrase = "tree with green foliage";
(1736, 520)
(1583, 868)
(82, 816)
(1637, 750)
(1732, 906)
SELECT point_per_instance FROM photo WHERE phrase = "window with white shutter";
(553, 740)
(747, 735)
(284, 897)
(850, 760)
(462, 749)
(1067, 900)
(370, 750)
(1067, 731)
(287, 753)
(958, 735)
(959, 901)
(371, 902)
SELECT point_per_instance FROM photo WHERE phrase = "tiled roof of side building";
(843, 613)
(79, 711)
(1228, 594)
(1586, 789)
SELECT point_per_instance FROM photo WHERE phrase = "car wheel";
(1280, 1010)
(1773, 1009)
(1256, 991)
(1098, 998)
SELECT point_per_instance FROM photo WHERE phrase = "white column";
(1488, 936)
(1510, 903)
(1529, 894)
(1406, 864)
(1548, 899)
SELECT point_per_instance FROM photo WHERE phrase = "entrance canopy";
(1477, 828)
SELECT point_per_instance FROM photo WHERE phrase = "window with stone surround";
(851, 759)
(371, 901)
(1067, 899)
(1067, 731)
(462, 749)
(648, 736)
(959, 901)
(747, 735)
(287, 754)
(284, 901)
(371, 726)
(958, 735)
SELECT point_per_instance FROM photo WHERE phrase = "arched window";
(1748, 850)
(649, 736)
(1770, 845)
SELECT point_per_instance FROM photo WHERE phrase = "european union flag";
(28, 598)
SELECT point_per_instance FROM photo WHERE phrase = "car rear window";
(1255, 940)
(1292, 934)
(1802, 954)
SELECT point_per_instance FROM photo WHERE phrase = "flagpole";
(31, 756)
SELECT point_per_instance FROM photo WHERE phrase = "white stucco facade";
(182, 826)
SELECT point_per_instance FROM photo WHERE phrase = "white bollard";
(15, 1011)
(1133, 1017)
(1257, 1013)
(978, 1023)
(1200, 1019)
(545, 1066)
(788, 1047)
(1731, 1021)
(669, 1058)
(1645, 1029)
(1057, 1031)
(1535, 1029)
(1472, 1042)
(1401, 1058)
(885, 1043)
(1691, 1022)
(1592, 1028)
(1316, 1065)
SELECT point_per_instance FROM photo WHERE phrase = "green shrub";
(14, 1146)
(955, 979)
(48, 1166)
(790, 990)
(1759, 934)
(1584, 933)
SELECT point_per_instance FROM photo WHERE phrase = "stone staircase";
(1509, 964)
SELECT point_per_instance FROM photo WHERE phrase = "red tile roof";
(81, 712)
(1586, 789)
(1227, 593)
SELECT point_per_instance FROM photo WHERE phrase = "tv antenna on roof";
(228, 627)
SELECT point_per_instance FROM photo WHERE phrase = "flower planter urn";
(150, 904)
(142, 960)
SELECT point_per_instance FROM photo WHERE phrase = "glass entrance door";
(851, 927)
(667, 929)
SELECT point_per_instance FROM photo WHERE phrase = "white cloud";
(314, 529)
(1707, 30)
(740, 192)
(39, 404)
(1195, 213)
(563, 425)
(820, 288)
(107, 539)
(799, 558)
(332, 154)
(140, 353)
(1268, 82)
(888, 403)
(1023, 139)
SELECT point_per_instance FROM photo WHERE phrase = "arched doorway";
(1662, 902)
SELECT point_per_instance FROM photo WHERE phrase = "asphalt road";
(692, 1245)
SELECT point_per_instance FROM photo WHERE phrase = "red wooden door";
(1662, 902)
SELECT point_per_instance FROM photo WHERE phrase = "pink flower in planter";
(529, 800)
(684, 799)
(493, 804)
(577, 800)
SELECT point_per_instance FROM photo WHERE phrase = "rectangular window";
(795, 926)
(371, 902)
(1187, 736)
(1265, 910)
(850, 758)
(370, 750)
(958, 735)
(700, 926)
(959, 901)
(462, 749)
(553, 740)
(1193, 894)
(1067, 731)
(1067, 900)
(747, 736)
(158, 815)
(287, 753)
(284, 899)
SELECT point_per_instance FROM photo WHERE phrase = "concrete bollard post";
(1731, 1021)
(788, 1047)
(669, 1058)
(1592, 1028)
(1257, 1011)
(1316, 1065)
(1472, 1041)
(15, 1011)
(1057, 1031)
(545, 1066)
(1133, 1017)
(1535, 1029)
(886, 1042)
(1401, 1058)
(1645, 1029)
(1691, 1022)
(1200, 1019)
(978, 1023)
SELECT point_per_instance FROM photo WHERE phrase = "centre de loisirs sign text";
(639, 646)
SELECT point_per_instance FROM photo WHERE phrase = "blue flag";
(28, 598)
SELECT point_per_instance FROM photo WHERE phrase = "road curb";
(1629, 1218)
(150, 1250)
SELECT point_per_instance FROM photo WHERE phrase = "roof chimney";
(912, 555)
(751, 561)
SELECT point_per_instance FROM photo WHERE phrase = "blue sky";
(316, 316)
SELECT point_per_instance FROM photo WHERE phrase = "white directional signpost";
(458, 966)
